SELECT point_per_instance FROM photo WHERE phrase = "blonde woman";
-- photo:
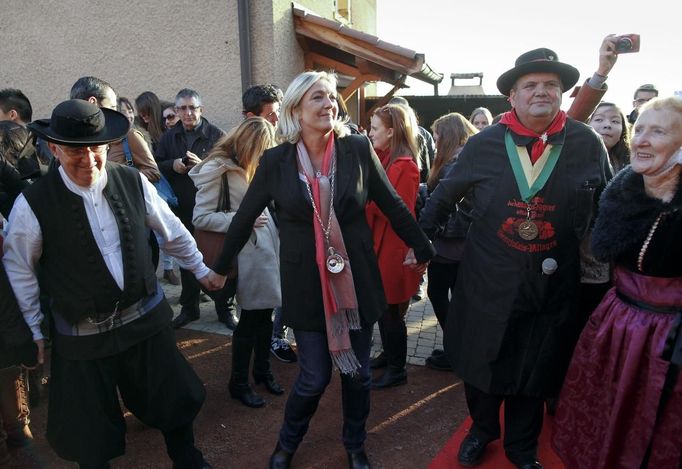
(481, 118)
(258, 288)
(321, 179)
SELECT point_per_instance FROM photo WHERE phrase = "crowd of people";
(549, 240)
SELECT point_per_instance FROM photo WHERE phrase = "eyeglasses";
(642, 100)
(78, 152)
(170, 117)
(187, 108)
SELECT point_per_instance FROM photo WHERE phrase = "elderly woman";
(321, 179)
(621, 404)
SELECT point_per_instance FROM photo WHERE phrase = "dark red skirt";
(607, 408)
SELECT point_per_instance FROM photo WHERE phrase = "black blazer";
(359, 178)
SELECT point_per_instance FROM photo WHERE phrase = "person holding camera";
(180, 148)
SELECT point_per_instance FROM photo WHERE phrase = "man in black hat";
(533, 181)
(86, 225)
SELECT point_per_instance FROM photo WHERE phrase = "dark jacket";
(16, 342)
(11, 185)
(359, 178)
(173, 145)
(511, 328)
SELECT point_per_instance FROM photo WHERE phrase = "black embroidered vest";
(76, 276)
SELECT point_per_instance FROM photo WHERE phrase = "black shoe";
(530, 465)
(183, 318)
(380, 361)
(390, 378)
(268, 380)
(437, 352)
(438, 362)
(280, 458)
(244, 393)
(358, 460)
(471, 451)
(228, 318)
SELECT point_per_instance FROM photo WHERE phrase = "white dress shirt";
(23, 244)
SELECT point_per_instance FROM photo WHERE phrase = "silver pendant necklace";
(335, 262)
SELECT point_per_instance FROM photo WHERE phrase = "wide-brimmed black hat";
(538, 60)
(80, 123)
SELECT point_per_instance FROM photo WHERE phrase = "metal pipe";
(244, 43)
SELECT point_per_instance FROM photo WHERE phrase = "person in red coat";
(393, 137)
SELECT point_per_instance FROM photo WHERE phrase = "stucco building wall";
(156, 45)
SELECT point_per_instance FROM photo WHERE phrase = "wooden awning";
(330, 45)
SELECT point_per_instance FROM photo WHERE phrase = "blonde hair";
(481, 110)
(673, 103)
(453, 131)
(404, 125)
(289, 127)
(245, 144)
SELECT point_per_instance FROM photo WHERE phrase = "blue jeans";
(315, 372)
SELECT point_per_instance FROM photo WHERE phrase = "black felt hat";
(80, 123)
(538, 61)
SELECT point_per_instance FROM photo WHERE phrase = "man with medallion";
(533, 181)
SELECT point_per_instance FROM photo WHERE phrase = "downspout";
(244, 43)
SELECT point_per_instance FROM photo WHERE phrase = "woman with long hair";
(230, 166)
(321, 179)
(150, 113)
(481, 118)
(610, 123)
(394, 139)
(450, 132)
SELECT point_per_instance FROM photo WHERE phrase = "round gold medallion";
(528, 230)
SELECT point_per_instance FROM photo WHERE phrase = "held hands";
(262, 220)
(212, 281)
(411, 262)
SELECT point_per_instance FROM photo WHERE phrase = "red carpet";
(494, 457)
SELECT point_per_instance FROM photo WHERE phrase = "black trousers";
(85, 421)
(442, 278)
(393, 333)
(522, 421)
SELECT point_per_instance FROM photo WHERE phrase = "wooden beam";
(358, 47)
(397, 85)
(354, 85)
(331, 63)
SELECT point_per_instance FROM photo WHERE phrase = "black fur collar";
(626, 214)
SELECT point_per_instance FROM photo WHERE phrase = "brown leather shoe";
(170, 277)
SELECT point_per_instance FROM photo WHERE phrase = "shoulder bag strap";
(127, 152)
(224, 197)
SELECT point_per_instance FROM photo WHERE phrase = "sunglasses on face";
(170, 117)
